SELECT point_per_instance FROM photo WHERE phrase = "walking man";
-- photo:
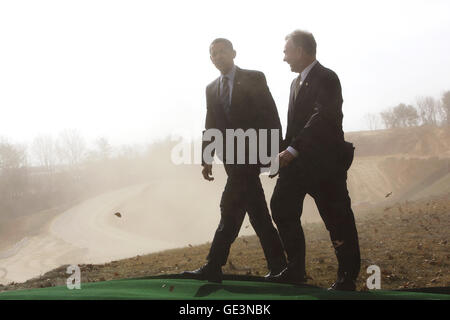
(239, 99)
(314, 161)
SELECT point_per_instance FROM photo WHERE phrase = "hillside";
(425, 141)
(408, 241)
(180, 208)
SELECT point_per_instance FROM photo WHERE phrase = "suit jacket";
(315, 124)
(252, 106)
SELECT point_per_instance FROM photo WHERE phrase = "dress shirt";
(302, 78)
(230, 76)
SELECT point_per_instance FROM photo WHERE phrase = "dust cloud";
(164, 206)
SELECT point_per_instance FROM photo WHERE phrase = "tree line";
(426, 111)
(56, 171)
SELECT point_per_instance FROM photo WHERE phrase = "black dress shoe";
(343, 284)
(208, 272)
(274, 272)
(289, 275)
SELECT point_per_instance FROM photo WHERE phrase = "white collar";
(230, 74)
(305, 71)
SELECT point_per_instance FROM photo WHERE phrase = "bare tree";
(372, 120)
(389, 119)
(405, 115)
(71, 147)
(104, 148)
(427, 107)
(12, 157)
(45, 152)
(13, 170)
(444, 108)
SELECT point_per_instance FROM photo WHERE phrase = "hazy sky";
(134, 71)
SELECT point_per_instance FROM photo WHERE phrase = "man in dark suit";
(314, 161)
(239, 99)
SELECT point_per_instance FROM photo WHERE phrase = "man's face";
(222, 56)
(293, 56)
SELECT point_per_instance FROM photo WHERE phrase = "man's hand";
(207, 172)
(285, 158)
(273, 175)
(274, 165)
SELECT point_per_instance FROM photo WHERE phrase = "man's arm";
(268, 112)
(327, 116)
(210, 123)
(324, 121)
(267, 107)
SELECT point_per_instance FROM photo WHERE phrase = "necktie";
(298, 84)
(225, 94)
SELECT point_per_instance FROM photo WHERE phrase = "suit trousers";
(334, 205)
(244, 193)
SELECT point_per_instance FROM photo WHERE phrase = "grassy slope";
(408, 241)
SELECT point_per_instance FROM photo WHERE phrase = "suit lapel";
(291, 103)
(302, 94)
(215, 93)
(306, 85)
(235, 93)
(236, 88)
(216, 89)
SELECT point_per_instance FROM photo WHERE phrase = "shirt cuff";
(292, 151)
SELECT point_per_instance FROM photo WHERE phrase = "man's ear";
(234, 54)
(299, 51)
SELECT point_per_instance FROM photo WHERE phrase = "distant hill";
(408, 162)
(425, 141)
(177, 207)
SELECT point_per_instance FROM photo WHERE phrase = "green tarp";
(168, 288)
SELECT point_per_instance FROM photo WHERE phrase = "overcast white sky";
(135, 71)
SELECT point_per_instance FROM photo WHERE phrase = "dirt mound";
(425, 141)
(370, 179)
(408, 241)
(181, 208)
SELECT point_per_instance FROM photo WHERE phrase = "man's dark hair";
(226, 41)
(305, 40)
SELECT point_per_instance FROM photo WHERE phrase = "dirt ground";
(408, 241)
(180, 207)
